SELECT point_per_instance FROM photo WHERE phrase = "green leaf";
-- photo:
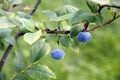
(115, 2)
(67, 9)
(93, 6)
(15, 21)
(74, 31)
(19, 62)
(39, 25)
(4, 32)
(5, 23)
(4, 13)
(23, 15)
(99, 19)
(16, 2)
(53, 16)
(40, 72)
(65, 25)
(52, 25)
(102, 2)
(65, 41)
(52, 37)
(11, 40)
(82, 16)
(28, 24)
(50, 14)
(113, 10)
(31, 38)
(61, 18)
(74, 45)
(39, 49)
(21, 77)
(2, 46)
(23, 29)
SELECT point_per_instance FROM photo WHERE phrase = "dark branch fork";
(9, 48)
(106, 23)
(102, 6)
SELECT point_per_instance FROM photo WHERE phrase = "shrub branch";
(103, 6)
(106, 23)
(9, 48)
(57, 32)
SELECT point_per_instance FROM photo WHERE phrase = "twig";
(85, 26)
(57, 32)
(24, 70)
(8, 51)
(9, 48)
(101, 7)
(109, 21)
(5, 56)
(35, 7)
(12, 8)
(106, 23)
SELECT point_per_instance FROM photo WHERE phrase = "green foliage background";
(98, 59)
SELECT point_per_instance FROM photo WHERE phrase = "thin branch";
(113, 6)
(12, 8)
(85, 26)
(95, 27)
(5, 56)
(9, 48)
(57, 32)
(8, 51)
(109, 21)
(24, 70)
(101, 7)
(106, 23)
(35, 7)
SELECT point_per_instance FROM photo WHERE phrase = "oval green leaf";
(5, 23)
(67, 9)
(4, 32)
(74, 31)
(93, 6)
(65, 41)
(39, 49)
(82, 16)
(40, 72)
(31, 38)
(19, 62)
(28, 24)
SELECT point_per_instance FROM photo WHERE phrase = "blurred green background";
(98, 59)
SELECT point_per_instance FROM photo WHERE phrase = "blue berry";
(84, 36)
(57, 54)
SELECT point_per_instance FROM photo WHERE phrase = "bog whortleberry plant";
(68, 22)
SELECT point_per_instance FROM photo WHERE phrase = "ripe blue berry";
(57, 54)
(84, 36)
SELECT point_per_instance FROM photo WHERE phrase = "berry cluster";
(58, 54)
